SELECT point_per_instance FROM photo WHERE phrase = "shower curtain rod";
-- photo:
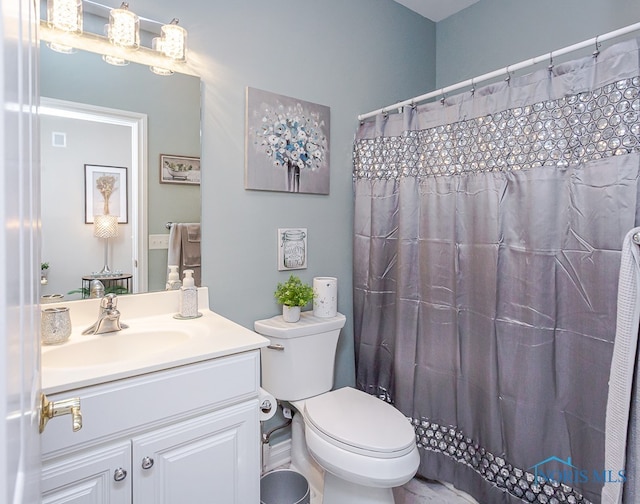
(507, 70)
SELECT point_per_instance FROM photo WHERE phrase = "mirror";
(115, 109)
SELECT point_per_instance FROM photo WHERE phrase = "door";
(19, 256)
(211, 458)
(101, 476)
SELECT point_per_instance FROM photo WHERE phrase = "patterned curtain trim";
(451, 442)
(565, 132)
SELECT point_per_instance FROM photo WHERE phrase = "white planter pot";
(290, 313)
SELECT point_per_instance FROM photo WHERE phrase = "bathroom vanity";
(172, 422)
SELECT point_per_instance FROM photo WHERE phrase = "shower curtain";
(487, 238)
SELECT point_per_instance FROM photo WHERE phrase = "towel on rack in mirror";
(193, 233)
(184, 248)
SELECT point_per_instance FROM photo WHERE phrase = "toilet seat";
(360, 423)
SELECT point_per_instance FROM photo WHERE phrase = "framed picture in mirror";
(105, 192)
(179, 169)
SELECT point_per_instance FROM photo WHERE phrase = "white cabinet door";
(96, 477)
(209, 459)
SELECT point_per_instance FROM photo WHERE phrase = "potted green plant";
(293, 294)
(44, 272)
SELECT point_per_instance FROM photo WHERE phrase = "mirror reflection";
(107, 125)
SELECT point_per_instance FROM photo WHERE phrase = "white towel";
(175, 248)
(623, 371)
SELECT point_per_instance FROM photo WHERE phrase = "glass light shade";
(113, 60)
(161, 71)
(105, 226)
(123, 29)
(65, 15)
(156, 44)
(61, 48)
(174, 41)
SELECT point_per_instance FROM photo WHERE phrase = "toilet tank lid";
(308, 324)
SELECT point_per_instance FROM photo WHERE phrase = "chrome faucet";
(108, 318)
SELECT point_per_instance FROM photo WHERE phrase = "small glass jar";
(55, 325)
(293, 249)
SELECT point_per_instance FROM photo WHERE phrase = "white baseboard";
(277, 455)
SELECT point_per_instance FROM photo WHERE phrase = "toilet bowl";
(364, 445)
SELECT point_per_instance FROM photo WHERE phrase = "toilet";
(364, 446)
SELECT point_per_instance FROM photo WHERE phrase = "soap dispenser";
(188, 296)
(173, 281)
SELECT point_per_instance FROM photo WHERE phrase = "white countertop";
(203, 338)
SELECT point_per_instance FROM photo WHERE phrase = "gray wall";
(350, 56)
(354, 57)
(492, 34)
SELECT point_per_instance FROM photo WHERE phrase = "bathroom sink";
(113, 347)
(156, 339)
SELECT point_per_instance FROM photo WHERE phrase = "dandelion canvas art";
(287, 144)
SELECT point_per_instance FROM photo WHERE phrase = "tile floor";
(420, 491)
(416, 491)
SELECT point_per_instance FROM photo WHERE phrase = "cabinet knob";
(147, 463)
(119, 474)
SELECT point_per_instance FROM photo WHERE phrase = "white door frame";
(19, 255)
(139, 166)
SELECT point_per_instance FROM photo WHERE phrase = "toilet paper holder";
(265, 405)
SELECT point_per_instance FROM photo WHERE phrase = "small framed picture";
(105, 192)
(179, 169)
(292, 248)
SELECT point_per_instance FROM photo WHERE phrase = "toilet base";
(339, 491)
(301, 459)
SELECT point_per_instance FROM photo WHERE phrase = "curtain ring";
(443, 96)
(473, 88)
(550, 67)
(508, 77)
(596, 53)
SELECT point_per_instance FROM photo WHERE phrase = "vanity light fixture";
(156, 44)
(64, 16)
(123, 30)
(174, 41)
(105, 226)
(120, 42)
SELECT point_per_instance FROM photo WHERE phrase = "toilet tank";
(300, 360)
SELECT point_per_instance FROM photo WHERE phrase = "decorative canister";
(55, 325)
(293, 248)
(325, 297)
